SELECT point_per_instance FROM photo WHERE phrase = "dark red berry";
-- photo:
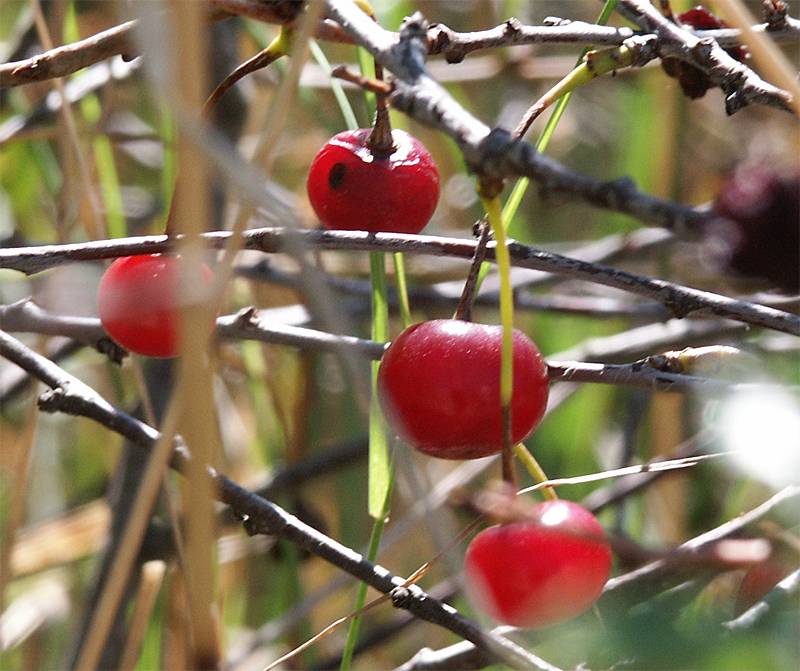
(760, 233)
(138, 303)
(354, 189)
(760, 580)
(439, 385)
(539, 572)
(694, 82)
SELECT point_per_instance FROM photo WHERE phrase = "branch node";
(52, 400)
(110, 349)
(403, 595)
(246, 316)
(512, 27)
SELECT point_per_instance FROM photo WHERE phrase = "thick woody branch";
(495, 154)
(260, 516)
(681, 301)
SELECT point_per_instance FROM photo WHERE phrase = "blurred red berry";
(760, 233)
(139, 305)
(539, 572)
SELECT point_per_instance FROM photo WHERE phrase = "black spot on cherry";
(336, 175)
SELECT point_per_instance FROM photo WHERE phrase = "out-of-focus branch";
(633, 587)
(70, 58)
(783, 594)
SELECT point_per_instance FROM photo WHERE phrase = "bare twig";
(785, 592)
(681, 301)
(70, 58)
(249, 325)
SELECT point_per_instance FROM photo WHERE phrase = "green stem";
(379, 469)
(336, 86)
(361, 598)
(535, 470)
(521, 185)
(495, 216)
(402, 288)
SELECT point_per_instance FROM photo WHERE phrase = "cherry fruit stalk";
(139, 304)
(541, 571)
(439, 386)
(355, 188)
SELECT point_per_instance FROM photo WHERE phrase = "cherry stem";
(535, 470)
(489, 191)
(279, 47)
(372, 85)
(468, 294)
(380, 140)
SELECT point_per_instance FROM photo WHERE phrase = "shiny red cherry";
(439, 386)
(352, 188)
(541, 571)
(138, 303)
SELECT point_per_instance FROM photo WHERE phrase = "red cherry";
(759, 581)
(138, 303)
(694, 83)
(439, 385)
(700, 18)
(353, 189)
(539, 572)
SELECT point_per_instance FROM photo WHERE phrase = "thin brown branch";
(65, 60)
(680, 300)
(455, 46)
(249, 325)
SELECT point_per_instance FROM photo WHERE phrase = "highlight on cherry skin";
(535, 573)
(439, 387)
(354, 189)
(138, 303)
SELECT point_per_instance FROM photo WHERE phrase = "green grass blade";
(379, 470)
(336, 86)
(402, 288)
(521, 185)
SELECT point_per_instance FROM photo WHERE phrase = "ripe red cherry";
(439, 385)
(138, 303)
(539, 572)
(353, 189)
(694, 82)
